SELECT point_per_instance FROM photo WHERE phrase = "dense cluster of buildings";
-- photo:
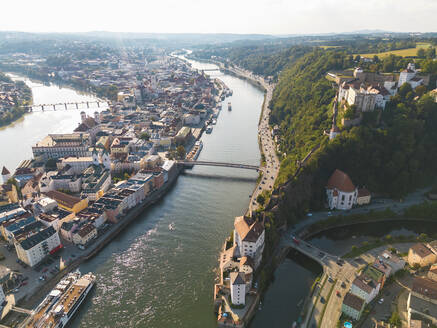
(240, 257)
(12, 94)
(364, 92)
(369, 283)
(79, 185)
(422, 298)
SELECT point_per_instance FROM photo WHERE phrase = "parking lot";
(30, 279)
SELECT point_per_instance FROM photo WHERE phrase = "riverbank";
(94, 249)
(13, 100)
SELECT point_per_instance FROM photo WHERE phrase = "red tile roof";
(341, 181)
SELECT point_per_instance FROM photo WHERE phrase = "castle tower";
(106, 160)
(6, 175)
(95, 156)
(335, 131)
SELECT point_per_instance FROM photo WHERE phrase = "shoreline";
(97, 247)
(34, 298)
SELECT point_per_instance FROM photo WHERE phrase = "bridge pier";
(65, 105)
(77, 106)
(42, 107)
(54, 107)
(98, 104)
(87, 104)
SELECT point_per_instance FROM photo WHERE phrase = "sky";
(219, 16)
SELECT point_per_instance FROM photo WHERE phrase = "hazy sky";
(220, 16)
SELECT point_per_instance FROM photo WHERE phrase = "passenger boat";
(57, 308)
(194, 153)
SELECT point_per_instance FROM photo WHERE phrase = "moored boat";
(57, 308)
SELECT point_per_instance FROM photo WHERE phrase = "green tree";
(145, 136)
(421, 53)
(395, 319)
(180, 150)
(420, 90)
(430, 53)
(261, 199)
(405, 89)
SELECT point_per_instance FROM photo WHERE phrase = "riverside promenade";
(31, 300)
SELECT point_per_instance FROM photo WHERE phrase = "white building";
(340, 191)
(249, 238)
(238, 288)
(36, 247)
(6, 175)
(353, 306)
(47, 204)
(365, 288)
(409, 76)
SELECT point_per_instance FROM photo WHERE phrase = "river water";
(151, 276)
(17, 139)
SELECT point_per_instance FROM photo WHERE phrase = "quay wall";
(33, 299)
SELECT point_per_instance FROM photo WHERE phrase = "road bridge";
(220, 164)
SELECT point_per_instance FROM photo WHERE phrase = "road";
(325, 307)
(267, 143)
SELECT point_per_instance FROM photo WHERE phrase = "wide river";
(151, 276)
(16, 140)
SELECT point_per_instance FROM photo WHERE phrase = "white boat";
(209, 129)
(214, 122)
(57, 308)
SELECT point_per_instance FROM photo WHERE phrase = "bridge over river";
(323, 306)
(220, 164)
(64, 105)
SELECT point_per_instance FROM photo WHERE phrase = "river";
(18, 138)
(151, 276)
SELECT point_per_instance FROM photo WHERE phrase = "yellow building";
(421, 254)
(68, 202)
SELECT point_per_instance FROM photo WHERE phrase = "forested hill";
(262, 60)
(391, 157)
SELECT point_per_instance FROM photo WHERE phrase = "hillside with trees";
(391, 155)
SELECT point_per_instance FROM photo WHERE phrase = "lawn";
(410, 52)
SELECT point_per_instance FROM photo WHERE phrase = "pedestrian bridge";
(220, 164)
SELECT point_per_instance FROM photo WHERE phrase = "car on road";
(343, 285)
(381, 301)
(322, 300)
(321, 254)
(330, 279)
(338, 293)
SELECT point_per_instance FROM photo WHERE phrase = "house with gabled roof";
(249, 238)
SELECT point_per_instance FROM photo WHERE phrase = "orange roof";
(341, 181)
(248, 229)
